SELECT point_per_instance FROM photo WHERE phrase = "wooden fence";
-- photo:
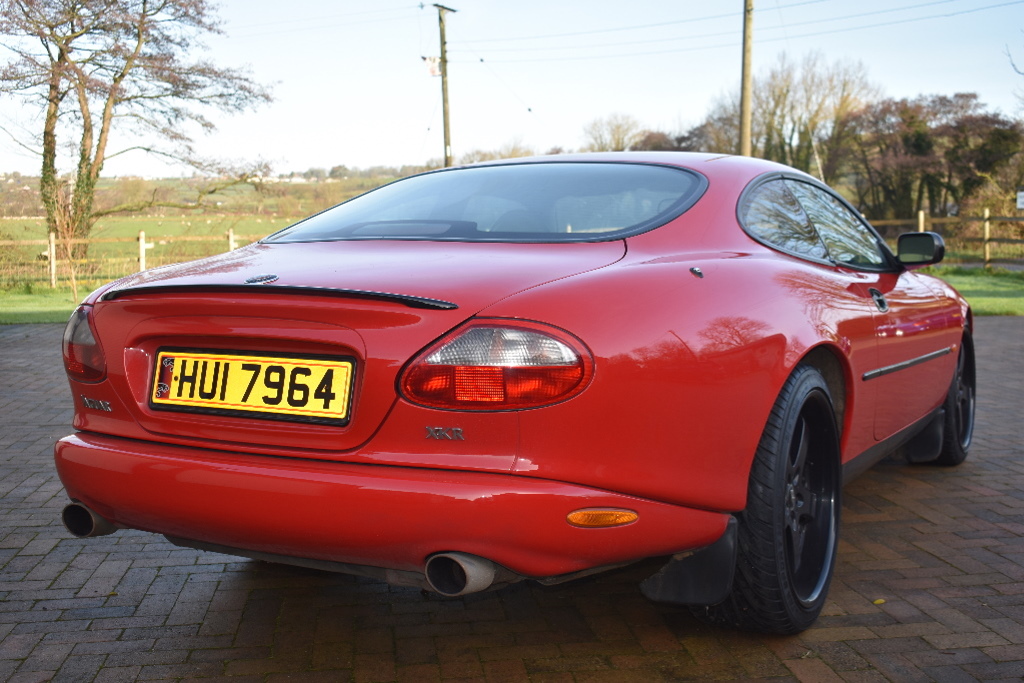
(53, 257)
(997, 241)
(990, 243)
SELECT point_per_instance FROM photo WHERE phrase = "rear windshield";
(532, 202)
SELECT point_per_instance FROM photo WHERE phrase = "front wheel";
(789, 530)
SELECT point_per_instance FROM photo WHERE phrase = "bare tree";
(654, 141)
(512, 149)
(719, 132)
(1020, 71)
(801, 115)
(613, 133)
(90, 66)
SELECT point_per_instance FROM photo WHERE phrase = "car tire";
(959, 408)
(788, 533)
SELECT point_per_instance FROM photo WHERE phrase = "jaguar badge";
(261, 279)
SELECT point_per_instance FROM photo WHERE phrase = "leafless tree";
(92, 66)
(510, 150)
(801, 115)
(1020, 71)
(613, 133)
(654, 141)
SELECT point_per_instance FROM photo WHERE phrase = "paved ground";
(930, 584)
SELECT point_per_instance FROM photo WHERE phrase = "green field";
(114, 252)
(177, 234)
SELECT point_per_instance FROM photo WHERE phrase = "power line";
(501, 80)
(319, 25)
(692, 20)
(720, 34)
(765, 40)
(321, 19)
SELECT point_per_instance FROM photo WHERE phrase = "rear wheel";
(959, 407)
(788, 532)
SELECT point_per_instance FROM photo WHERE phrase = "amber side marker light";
(599, 518)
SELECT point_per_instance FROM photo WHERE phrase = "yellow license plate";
(300, 388)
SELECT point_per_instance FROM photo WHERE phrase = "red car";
(537, 369)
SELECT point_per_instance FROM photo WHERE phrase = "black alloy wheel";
(810, 519)
(788, 533)
(959, 420)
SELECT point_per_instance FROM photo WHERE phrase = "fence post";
(920, 221)
(987, 235)
(51, 256)
(143, 246)
(231, 239)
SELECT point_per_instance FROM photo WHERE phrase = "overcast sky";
(351, 87)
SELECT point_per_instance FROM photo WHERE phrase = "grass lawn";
(997, 292)
(990, 292)
(38, 306)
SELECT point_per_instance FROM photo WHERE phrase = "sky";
(351, 88)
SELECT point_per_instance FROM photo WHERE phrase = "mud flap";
(927, 445)
(703, 578)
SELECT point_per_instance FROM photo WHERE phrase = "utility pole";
(441, 9)
(746, 88)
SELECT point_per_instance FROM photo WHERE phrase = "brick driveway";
(930, 583)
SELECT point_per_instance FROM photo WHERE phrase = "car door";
(834, 298)
(914, 345)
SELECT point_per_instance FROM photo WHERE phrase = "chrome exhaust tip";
(454, 574)
(84, 523)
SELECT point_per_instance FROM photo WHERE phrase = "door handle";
(879, 300)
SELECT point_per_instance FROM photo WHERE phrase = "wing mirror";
(920, 248)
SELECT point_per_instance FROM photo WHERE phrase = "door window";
(848, 240)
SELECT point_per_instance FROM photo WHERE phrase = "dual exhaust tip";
(450, 574)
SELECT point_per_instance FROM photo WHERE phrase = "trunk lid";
(470, 275)
(373, 304)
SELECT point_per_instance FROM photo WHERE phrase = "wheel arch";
(836, 373)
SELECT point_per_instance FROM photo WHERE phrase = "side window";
(771, 214)
(847, 239)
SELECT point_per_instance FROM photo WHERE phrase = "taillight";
(83, 357)
(498, 366)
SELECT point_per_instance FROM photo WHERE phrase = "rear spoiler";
(406, 299)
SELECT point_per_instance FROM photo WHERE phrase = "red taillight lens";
(83, 357)
(489, 366)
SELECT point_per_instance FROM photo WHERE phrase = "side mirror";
(920, 248)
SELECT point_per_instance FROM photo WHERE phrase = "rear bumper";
(380, 516)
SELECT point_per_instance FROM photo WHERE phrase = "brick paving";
(929, 587)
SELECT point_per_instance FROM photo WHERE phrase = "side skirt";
(920, 442)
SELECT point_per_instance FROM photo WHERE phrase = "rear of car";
(534, 369)
(338, 395)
